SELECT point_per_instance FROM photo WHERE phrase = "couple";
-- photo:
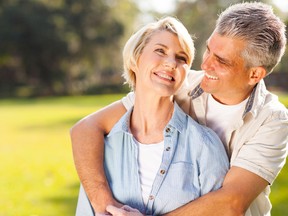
(229, 96)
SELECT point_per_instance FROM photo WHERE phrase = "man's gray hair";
(257, 25)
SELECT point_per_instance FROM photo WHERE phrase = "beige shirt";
(257, 143)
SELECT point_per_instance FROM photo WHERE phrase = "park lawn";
(37, 170)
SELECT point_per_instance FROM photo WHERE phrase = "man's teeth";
(165, 76)
(211, 77)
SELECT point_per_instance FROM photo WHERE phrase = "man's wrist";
(100, 196)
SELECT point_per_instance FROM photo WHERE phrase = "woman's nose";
(170, 62)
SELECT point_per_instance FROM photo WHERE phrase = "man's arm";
(240, 188)
(87, 137)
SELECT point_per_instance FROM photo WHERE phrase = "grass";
(37, 170)
(279, 194)
(38, 177)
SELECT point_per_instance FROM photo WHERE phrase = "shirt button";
(162, 172)
(168, 130)
(151, 197)
(168, 149)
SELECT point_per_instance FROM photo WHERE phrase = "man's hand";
(123, 211)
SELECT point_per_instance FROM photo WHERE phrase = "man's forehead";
(225, 47)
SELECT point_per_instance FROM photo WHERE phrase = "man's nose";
(206, 63)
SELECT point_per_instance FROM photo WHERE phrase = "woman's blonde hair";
(134, 46)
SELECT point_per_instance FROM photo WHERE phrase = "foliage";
(69, 47)
(56, 48)
(37, 173)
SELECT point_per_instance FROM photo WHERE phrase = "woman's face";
(161, 67)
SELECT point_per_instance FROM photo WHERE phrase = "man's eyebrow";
(226, 61)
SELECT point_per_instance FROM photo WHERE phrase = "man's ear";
(256, 74)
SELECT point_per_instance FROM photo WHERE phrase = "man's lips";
(211, 77)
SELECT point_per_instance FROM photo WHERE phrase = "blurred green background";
(38, 177)
(61, 60)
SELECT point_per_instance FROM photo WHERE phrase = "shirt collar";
(177, 121)
(252, 105)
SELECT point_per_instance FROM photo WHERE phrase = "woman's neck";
(149, 118)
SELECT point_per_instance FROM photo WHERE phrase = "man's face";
(226, 76)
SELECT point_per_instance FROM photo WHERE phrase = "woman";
(157, 158)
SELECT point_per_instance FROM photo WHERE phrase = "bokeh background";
(61, 60)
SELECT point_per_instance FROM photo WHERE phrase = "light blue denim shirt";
(194, 163)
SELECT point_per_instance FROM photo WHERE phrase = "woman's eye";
(161, 51)
(182, 58)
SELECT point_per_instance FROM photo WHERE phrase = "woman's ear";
(133, 66)
(256, 74)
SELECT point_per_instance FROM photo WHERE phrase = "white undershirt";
(149, 160)
(220, 117)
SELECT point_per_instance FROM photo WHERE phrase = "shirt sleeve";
(265, 153)
(128, 100)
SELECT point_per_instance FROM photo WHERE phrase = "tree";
(58, 47)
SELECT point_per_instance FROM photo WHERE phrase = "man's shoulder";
(182, 96)
(273, 107)
(273, 104)
(194, 77)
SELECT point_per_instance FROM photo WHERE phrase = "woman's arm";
(87, 137)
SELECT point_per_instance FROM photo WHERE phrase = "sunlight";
(161, 6)
(282, 5)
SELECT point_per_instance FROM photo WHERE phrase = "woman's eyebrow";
(181, 52)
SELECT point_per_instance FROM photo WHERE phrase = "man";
(230, 97)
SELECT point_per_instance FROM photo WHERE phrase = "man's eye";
(222, 62)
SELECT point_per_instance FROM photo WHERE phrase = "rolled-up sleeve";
(265, 153)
